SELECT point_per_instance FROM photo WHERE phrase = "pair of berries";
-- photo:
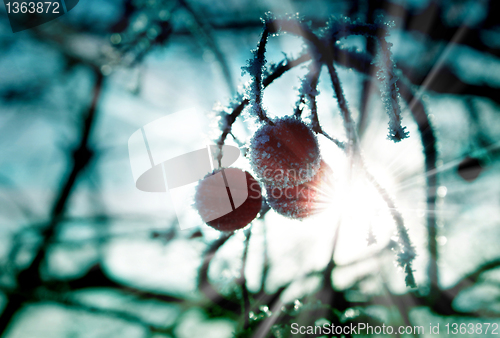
(286, 158)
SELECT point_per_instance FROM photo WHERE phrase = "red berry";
(285, 154)
(228, 199)
(305, 199)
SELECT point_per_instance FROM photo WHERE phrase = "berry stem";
(308, 91)
(279, 70)
(258, 76)
(255, 68)
(344, 109)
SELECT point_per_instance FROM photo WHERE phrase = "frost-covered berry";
(305, 199)
(228, 199)
(285, 154)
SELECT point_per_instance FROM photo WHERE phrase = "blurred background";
(83, 253)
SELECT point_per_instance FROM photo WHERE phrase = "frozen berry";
(228, 199)
(285, 154)
(470, 168)
(305, 199)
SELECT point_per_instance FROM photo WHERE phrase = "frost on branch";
(318, 51)
(343, 27)
(390, 91)
(405, 256)
(255, 67)
(308, 92)
(371, 239)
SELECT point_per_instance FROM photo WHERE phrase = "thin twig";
(29, 278)
(346, 114)
(204, 284)
(368, 86)
(266, 265)
(428, 140)
(277, 71)
(255, 69)
(205, 31)
(243, 282)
